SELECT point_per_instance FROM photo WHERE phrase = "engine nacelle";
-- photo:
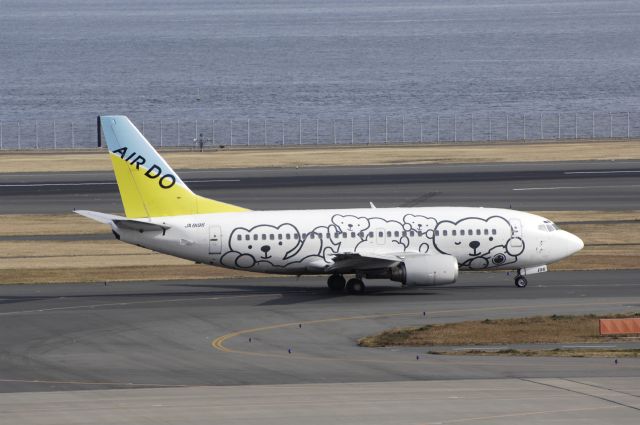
(436, 269)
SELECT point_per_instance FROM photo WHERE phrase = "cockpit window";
(548, 226)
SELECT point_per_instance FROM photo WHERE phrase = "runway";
(281, 350)
(577, 185)
(240, 332)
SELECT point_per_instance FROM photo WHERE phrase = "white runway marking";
(603, 172)
(105, 183)
(589, 346)
(617, 186)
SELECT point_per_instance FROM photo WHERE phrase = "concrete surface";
(605, 185)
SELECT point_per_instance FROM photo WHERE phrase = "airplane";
(414, 246)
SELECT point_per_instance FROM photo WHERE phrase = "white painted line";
(603, 172)
(480, 348)
(576, 187)
(104, 183)
(588, 346)
(55, 184)
(212, 181)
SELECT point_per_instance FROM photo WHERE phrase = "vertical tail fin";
(148, 186)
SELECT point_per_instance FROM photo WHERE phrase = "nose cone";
(574, 243)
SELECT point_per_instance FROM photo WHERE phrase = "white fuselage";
(305, 241)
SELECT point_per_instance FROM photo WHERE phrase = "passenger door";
(215, 239)
(516, 232)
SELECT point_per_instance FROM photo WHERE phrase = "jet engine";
(416, 270)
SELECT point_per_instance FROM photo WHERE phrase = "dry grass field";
(98, 160)
(527, 330)
(612, 241)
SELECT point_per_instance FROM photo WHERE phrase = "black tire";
(336, 282)
(520, 281)
(355, 286)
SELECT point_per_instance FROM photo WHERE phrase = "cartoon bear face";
(252, 243)
(421, 224)
(350, 223)
(385, 242)
(462, 238)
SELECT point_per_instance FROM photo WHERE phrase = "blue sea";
(75, 59)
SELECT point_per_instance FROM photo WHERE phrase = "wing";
(348, 261)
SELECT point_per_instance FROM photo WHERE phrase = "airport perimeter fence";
(367, 130)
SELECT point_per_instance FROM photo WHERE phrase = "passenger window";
(486, 231)
(353, 234)
(404, 233)
(437, 232)
(361, 234)
(328, 235)
(344, 235)
(370, 234)
(312, 235)
(287, 236)
(304, 236)
(478, 233)
(264, 237)
(389, 234)
(255, 237)
(462, 232)
(444, 233)
(279, 236)
(493, 231)
(296, 236)
(380, 234)
(272, 237)
(336, 235)
(396, 234)
(453, 232)
(240, 237)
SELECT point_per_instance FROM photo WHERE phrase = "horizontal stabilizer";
(122, 222)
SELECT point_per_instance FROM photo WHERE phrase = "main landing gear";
(520, 281)
(355, 286)
(337, 283)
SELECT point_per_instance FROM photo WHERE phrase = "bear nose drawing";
(474, 245)
(265, 248)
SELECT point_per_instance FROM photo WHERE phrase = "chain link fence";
(367, 130)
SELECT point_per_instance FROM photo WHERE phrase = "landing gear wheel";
(336, 282)
(521, 281)
(355, 286)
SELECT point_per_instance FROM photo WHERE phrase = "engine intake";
(436, 269)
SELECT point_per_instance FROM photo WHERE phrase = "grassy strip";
(609, 246)
(73, 224)
(339, 156)
(49, 225)
(527, 330)
(119, 274)
(556, 352)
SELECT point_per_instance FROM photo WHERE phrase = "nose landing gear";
(520, 281)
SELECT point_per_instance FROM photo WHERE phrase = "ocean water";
(204, 59)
